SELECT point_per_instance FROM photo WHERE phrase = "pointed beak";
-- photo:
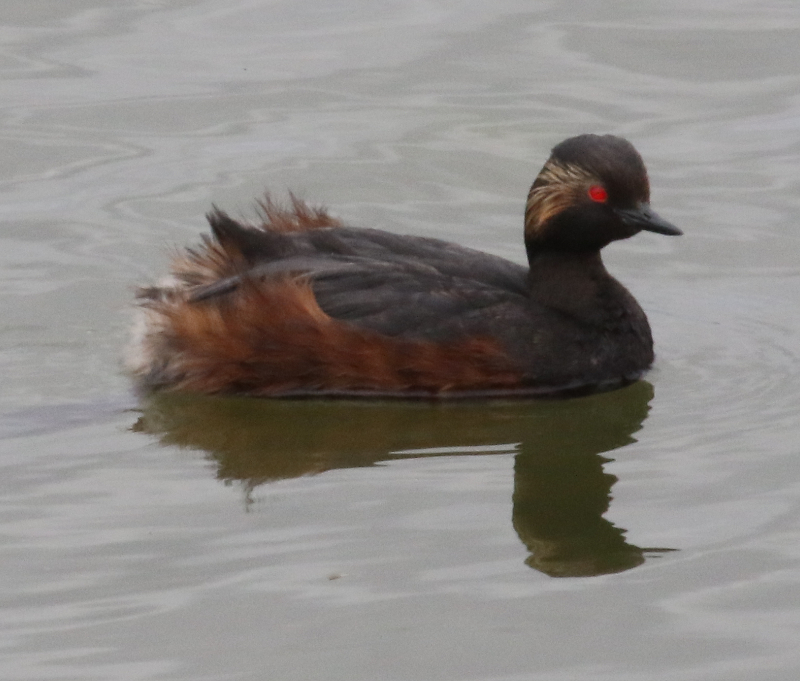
(644, 217)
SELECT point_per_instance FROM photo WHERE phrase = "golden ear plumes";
(556, 188)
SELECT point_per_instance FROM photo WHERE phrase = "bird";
(301, 305)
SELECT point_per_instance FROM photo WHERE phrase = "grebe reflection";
(561, 491)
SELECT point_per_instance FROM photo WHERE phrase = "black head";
(592, 190)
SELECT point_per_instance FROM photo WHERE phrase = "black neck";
(583, 263)
(574, 283)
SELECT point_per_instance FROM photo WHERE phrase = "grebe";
(302, 305)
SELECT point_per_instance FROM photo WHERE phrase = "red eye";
(598, 193)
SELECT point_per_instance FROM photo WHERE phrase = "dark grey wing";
(405, 286)
(409, 303)
(445, 257)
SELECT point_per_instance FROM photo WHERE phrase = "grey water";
(647, 534)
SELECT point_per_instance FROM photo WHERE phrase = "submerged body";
(302, 305)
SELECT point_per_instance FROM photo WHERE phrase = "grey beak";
(646, 218)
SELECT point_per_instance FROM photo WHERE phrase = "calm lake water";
(651, 533)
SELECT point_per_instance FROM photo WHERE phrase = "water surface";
(646, 534)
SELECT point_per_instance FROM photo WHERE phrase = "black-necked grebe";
(303, 305)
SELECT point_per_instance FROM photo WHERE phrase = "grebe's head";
(592, 190)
